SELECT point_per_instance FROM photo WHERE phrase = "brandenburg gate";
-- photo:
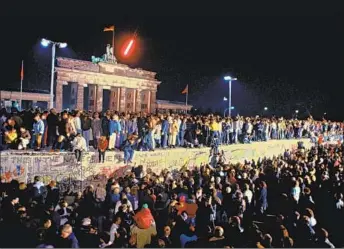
(131, 90)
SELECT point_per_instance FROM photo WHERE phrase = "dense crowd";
(77, 130)
(291, 200)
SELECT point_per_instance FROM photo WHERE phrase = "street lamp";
(46, 43)
(296, 111)
(265, 108)
(224, 113)
(229, 79)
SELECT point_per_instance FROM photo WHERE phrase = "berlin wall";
(63, 168)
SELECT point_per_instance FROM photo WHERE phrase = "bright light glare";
(232, 108)
(129, 47)
(225, 99)
(45, 42)
(296, 111)
(229, 78)
(63, 45)
(265, 108)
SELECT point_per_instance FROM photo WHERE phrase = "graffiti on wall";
(63, 168)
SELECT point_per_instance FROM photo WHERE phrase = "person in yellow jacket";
(173, 132)
(214, 128)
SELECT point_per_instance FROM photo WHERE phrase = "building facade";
(131, 90)
(30, 99)
(165, 106)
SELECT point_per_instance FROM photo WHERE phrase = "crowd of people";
(291, 200)
(81, 131)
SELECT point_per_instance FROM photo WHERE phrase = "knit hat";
(86, 222)
(145, 205)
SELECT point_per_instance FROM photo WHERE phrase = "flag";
(22, 71)
(111, 28)
(186, 90)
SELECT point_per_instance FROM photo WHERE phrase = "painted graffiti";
(63, 168)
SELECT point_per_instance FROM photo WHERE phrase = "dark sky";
(284, 58)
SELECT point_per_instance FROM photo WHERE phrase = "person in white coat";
(79, 146)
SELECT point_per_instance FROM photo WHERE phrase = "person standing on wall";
(86, 124)
(52, 121)
(38, 131)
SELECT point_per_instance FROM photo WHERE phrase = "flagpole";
(21, 84)
(113, 44)
(186, 100)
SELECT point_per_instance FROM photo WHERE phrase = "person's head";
(52, 184)
(218, 232)
(47, 223)
(14, 200)
(37, 179)
(167, 231)
(127, 190)
(37, 117)
(309, 213)
(66, 231)
(117, 220)
(116, 190)
(86, 222)
(63, 204)
(22, 129)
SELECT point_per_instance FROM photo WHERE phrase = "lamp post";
(229, 79)
(224, 113)
(296, 112)
(46, 43)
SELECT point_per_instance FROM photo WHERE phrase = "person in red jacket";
(144, 218)
(103, 144)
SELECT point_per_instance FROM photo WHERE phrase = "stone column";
(59, 96)
(114, 99)
(73, 95)
(152, 108)
(92, 97)
(99, 103)
(80, 96)
(138, 100)
(129, 100)
(122, 100)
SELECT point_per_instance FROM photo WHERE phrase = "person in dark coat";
(167, 237)
(52, 215)
(8, 209)
(262, 198)
(218, 240)
(52, 121)
(87, 235)
(106, 125)
(67, 238)
(53, 194)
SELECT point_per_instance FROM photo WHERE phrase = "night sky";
(285, 60)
